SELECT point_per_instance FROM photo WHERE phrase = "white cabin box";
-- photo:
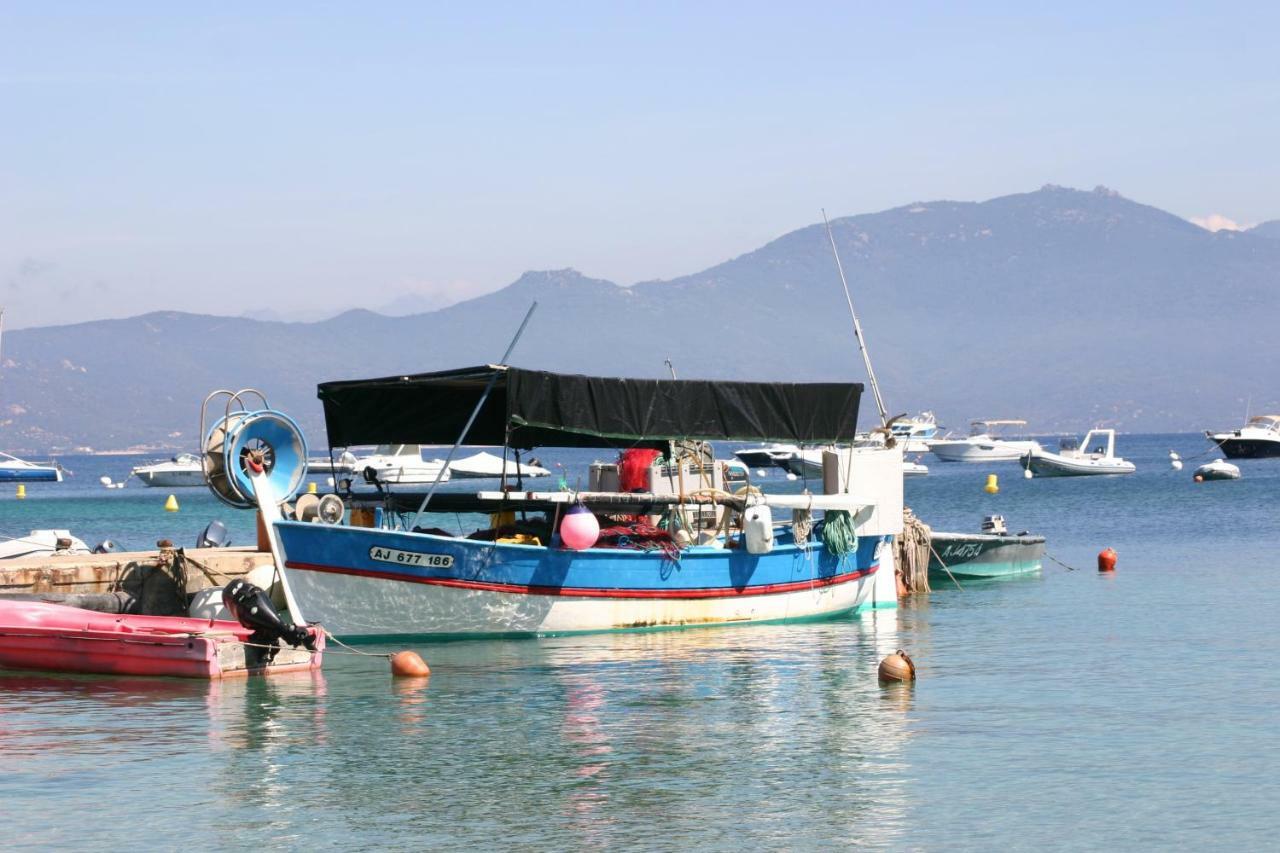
(874, 476)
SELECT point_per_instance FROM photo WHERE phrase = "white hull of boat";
(767, 455)
(172, 478)
(1053, 465)
(361, 606)
(965, 450)
(487, 465)
(15, 470)
(1076, 460)
(40, 543)
(408, 475)
(914, 469)
(1219, 469)
(808, 463)
(325, 467)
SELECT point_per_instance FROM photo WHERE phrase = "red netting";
(640, 536)
(633, 469)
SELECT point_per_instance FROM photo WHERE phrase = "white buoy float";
(1175, 461)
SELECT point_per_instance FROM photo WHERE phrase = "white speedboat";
(914, 469)
(331, 466)
(984, 444)
(1258, 438)
(808, 462)
(182, 470)
(41, 543)
(1218, 469)
(1075, 459)
(766, 455)
(484, 465)
(15, 470)
(401, 464)
(914, 434)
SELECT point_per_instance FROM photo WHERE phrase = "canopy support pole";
(488, 389)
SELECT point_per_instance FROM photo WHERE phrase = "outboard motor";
(106, 546)
(214, 536)
(251, 607)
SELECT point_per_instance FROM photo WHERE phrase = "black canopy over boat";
(533, 408)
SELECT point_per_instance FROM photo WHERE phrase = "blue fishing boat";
(678, 551)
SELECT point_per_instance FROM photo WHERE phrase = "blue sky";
(302, 157)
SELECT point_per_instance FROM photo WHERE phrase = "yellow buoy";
(22, 491)
(171, 505)
(311, 488)
(992, 485)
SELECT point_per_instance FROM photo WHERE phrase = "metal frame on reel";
(242, 432)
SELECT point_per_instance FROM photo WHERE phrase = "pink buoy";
(579, 528)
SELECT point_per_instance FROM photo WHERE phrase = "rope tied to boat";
(329, 636)
(945, 567)
(802, 527)
(1060, 563)
(912, 549)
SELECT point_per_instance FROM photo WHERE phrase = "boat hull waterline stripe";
(587, 592)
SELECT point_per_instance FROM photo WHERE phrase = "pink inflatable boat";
(36, 635)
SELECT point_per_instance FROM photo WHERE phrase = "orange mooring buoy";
(409, 665)
(1107, 560)
(897, 667)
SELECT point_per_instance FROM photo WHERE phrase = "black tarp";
(530, 408)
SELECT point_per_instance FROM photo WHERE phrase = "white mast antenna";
(857, 327)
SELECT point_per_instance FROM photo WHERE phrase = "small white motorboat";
(15, 470)
(914, 434)
(485, 464)
(331, 466)
(401, 464)
(1218, 469)
(41, 543)
(766, 455)
(914, 469)
(1075, 459)
(984, 444)
(183, 470)
(808, 462)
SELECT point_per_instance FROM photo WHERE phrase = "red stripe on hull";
(588, 592)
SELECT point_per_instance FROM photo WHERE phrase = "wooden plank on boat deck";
(102, 572)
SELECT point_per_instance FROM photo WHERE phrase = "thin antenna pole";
(857, 327)
(488, 389)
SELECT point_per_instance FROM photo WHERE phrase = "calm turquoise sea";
(1069, 710)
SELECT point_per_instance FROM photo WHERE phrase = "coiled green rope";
(839, 536)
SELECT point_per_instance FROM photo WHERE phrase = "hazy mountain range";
(1066, 307)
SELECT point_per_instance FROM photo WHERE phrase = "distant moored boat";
(1258, 438)
(15, 470)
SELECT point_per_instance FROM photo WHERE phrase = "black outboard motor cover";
(214, 536)
(251, 607)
